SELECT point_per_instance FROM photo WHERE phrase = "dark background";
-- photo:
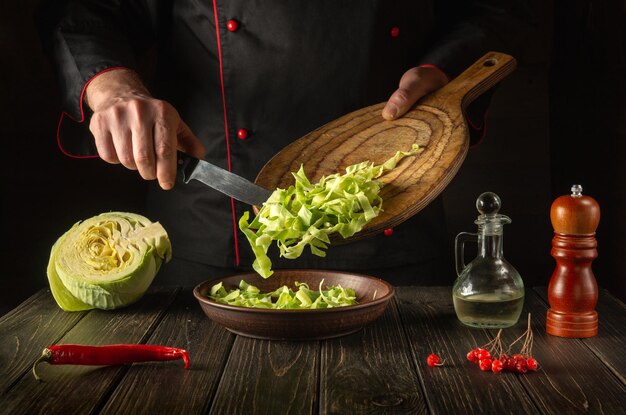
(560, 119)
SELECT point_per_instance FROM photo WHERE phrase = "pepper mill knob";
(575, 214)
(573, 291)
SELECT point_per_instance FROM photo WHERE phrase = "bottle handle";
(459, 245)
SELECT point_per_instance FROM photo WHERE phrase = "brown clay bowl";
(298, 324)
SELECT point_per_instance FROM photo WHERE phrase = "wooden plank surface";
(381, 369)
(269, 377)
(571, 379)
(82, 389)
(458, 387)
(370, 371)
(26, 331)
(610, 343)
(169, 389)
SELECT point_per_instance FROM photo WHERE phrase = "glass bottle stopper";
(488, 203)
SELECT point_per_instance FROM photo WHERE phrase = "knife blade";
(222, 180)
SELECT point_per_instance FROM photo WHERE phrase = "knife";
(222, 180)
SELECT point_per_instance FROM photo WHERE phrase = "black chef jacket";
(269, 71)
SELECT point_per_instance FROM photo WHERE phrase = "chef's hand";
(133, 128)
(415, 83)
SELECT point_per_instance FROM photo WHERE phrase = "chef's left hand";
(415, 83)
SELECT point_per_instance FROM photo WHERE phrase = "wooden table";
(381, 369)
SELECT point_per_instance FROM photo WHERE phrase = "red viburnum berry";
(497, 366)
(485, 364)
(433, 360)
(532, 364)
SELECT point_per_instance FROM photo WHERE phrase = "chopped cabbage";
(305, 214)
(284, 297)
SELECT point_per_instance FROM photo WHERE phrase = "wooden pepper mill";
(573, 291)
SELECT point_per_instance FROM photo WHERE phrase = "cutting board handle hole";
(490, 62)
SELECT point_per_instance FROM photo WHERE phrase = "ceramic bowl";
(373, 296)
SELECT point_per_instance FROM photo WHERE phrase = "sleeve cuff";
(430, 65)
(73, 138)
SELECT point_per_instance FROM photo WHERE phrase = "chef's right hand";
(137, 130)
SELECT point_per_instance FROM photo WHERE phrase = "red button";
(395, 31)
(232, 25)
(388, 232)
(242, 133)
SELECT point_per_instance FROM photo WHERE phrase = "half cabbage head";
(107, 261)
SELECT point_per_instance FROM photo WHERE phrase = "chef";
(234, 82)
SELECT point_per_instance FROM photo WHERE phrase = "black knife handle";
(186, 165)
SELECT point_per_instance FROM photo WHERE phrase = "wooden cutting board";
(435, 123)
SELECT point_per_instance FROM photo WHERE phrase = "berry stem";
(528, 340)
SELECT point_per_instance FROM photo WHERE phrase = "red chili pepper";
(114, 354)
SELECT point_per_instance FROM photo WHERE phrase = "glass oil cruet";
(489, 292)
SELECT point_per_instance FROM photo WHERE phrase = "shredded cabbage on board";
(306, 213)
(247, 295)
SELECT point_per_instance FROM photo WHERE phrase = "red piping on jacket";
(219, 56)
(82, 114)
(483, 129)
